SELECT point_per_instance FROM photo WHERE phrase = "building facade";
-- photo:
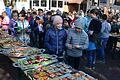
(2, 8)
(43, 4)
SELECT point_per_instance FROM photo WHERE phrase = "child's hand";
(70, 46)
(77, 46)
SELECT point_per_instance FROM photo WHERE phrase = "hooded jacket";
(75, 38)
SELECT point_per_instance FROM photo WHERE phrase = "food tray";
(34, 61)
(77, 76)
(20, 52)
(50, 72)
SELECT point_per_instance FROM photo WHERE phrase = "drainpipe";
(98, 3)
(30, 4)
(49, 4)
(78, 7)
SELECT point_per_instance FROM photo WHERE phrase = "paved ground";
(8, 72)
(108, 71)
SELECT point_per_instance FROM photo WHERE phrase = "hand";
(19, 30)
(70, 46)
(90, 32)
(77, 46)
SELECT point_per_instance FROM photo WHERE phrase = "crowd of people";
(60, 33)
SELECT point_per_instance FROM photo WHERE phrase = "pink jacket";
(5, 23)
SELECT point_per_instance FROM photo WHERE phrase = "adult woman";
(22, 25)
(13, 23)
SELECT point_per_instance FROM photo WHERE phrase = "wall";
(19, 5)
(2, 6)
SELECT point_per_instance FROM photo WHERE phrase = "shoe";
(93, 67)
(90, 68)
(102, 62)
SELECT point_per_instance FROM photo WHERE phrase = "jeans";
(101, 51)
(91, 58)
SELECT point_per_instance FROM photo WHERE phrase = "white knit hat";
(57, 19)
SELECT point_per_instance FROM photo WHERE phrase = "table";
(36, 62)
(52, 71)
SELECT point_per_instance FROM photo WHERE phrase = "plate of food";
(15, 54)
(19, 51)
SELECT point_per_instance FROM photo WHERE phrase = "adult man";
(104, 36)
(32, 28)
(94, 41)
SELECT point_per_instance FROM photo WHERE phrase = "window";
(117, 2)
(65, 3)
(43, 3)
(103, 1)
(60, 4)
(54, 3)
(35, 2)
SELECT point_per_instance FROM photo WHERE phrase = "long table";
(63, 72)
(36, 66)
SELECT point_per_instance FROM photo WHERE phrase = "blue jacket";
(9, 12)
(32, 24)
(55, 41)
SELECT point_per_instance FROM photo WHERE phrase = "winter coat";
(13, 27)
(75, 38)
(22, 27)
(55, 41)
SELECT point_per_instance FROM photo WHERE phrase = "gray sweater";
(75, 38)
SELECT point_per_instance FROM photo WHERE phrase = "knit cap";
(57, 19)
(78, 24)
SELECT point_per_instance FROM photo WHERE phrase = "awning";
(75, 1)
